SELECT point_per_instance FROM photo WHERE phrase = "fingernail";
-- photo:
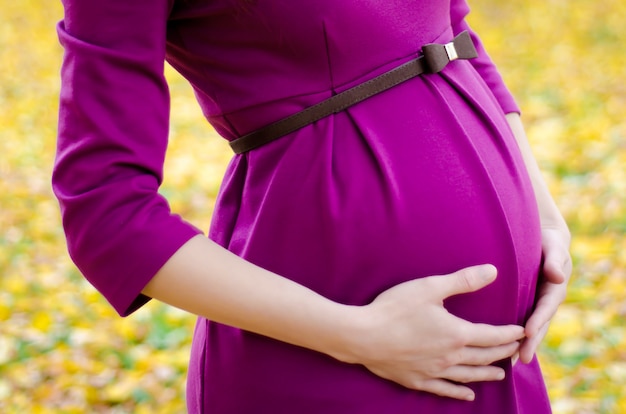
(488, 271)
(470, 397)
(501, 375)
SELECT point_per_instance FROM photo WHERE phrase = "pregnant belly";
(381, 194)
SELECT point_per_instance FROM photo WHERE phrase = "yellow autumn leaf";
(42, 321)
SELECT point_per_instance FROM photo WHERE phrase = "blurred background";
(64, 350)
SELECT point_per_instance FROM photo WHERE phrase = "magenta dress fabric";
(423, 179)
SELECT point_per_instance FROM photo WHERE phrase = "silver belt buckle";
(451, 51)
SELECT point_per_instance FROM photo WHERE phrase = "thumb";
(469, 279)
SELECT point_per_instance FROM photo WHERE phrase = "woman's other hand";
(557, 268)
(555, 240)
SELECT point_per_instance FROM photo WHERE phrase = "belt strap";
(434, 58)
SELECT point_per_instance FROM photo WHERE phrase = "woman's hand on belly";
(409, 337)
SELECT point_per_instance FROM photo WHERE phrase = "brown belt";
(433, 59)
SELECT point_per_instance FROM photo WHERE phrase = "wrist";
(552, 219)
(351, 330)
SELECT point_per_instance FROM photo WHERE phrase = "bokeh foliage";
(63, 349)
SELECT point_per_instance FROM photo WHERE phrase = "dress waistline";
(433, 59)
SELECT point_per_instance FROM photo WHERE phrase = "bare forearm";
(207, 280)
(548, 210)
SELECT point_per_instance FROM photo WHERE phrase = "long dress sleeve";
(483, 63)
(112, 138)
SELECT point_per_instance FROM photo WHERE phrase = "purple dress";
(423, 179)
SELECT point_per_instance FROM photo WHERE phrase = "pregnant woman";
(400, 254)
